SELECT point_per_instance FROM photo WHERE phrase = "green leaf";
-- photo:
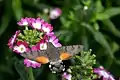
(17, 9)
(51, 77)
(111, 27)
(21, 70)
(108, 13)
(5, 20)
(99, 7)
(99, 37)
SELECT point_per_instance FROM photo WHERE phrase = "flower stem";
(30, 74)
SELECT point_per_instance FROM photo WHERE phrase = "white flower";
(43, 46)
(20, 49)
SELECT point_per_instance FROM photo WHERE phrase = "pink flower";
(21, 47)
(37, 23)
(23, 22)
(42, 45)
(50, 34)
(30, 63)
(55, 13)
(67, 76)
(47, 27)
(54, 40)
(103, 73)
(13, 39)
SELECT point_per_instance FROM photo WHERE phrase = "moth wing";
(67, 51)
(33, 55)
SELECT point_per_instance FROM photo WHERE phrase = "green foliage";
(83, 67)
(96, 27)
(30, 36)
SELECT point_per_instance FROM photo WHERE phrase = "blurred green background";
(93, 23)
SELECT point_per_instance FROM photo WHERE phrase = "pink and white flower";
(30, 63)
(37, 23)
(47, 27)
(54, 40)
(103, 73)
(55, 13)
(21, 47)
(67, 76)
(23, 22)
(42, 45)
(13, 39)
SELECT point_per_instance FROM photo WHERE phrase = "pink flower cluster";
(23, 47)
(38, 24)
(103, 73)
(55, 13)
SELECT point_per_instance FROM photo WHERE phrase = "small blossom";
(30, 63)
(23, 22)
(21, 47)
(54, 40)
(37, 23)
(13, 39)
(43, 46)
(55, 13)
(47, 27)
(103, 73)
(67, 76)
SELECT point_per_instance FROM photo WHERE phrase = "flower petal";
(37, 23)
(47, 27)
(30, 63)
(103, 73)
(23, 22)
(13, 39)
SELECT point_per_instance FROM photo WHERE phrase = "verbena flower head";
(55, 13)
(103, 73)
(34, 37)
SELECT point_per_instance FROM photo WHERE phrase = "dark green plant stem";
(84, 39)
(30, 74)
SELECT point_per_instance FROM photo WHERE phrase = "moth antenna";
(58, 36)
(55, 38)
